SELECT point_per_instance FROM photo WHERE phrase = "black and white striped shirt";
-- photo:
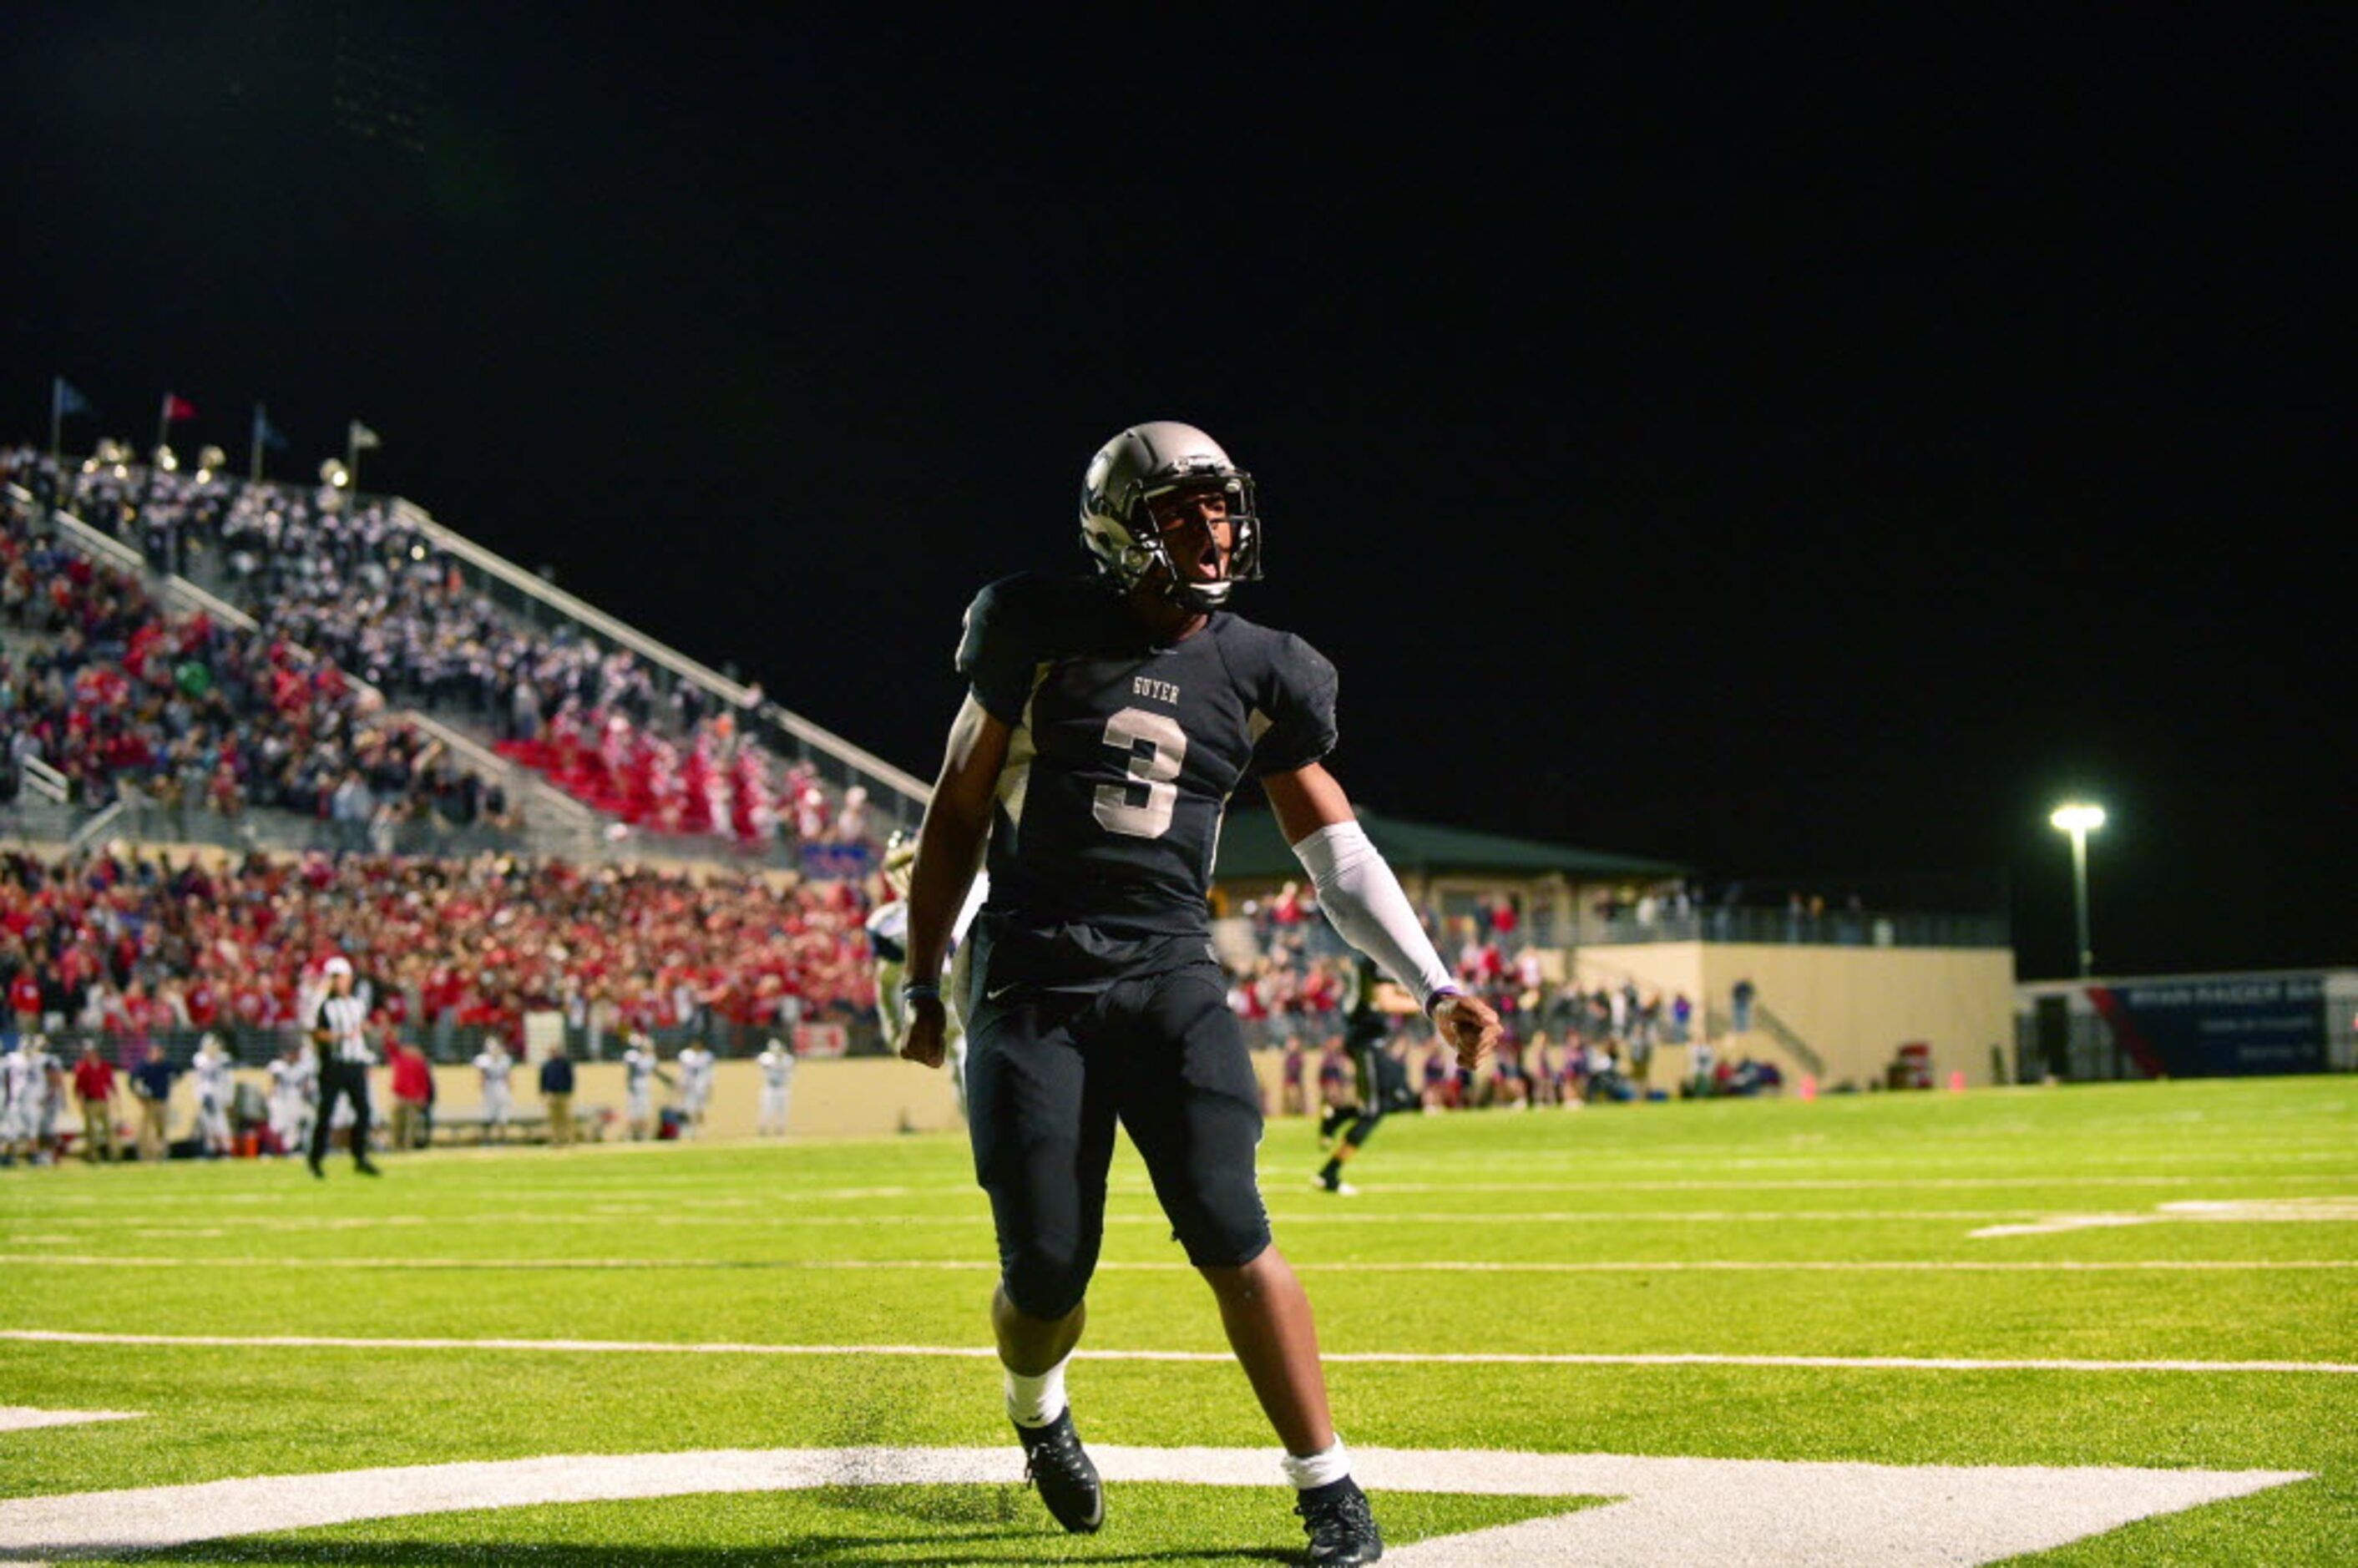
(344, 1017)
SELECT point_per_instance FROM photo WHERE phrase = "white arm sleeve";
(1364, 901)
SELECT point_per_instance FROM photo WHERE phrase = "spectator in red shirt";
(413, 1091)
(93, 1080)
(25, 1003)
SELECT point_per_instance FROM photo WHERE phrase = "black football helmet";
(1152, 459)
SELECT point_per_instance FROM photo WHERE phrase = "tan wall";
(831, 1098)
(1855, 1006)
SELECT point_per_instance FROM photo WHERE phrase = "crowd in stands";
(135, 945)
(351, 580)
(123, 697)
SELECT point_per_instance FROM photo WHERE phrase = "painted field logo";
(1666, 1513)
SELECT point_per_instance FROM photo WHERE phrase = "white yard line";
(973, 1352)
(1313, 1210)
(24, 1418)
(2230, 1211)
(1422, 1266)
(1663, 1512)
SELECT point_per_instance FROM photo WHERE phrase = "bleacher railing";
(897, 795)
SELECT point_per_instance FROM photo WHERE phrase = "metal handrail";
(46, 780)
(93, 826)
(735, 693)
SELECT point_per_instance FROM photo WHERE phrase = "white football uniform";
(294, 1099)
(499, 1095)
(53, 1097)
(694, 1082)
(211, 1075)
(638, 1083)
(888, 937)
(777, 1064)
(24, 1087)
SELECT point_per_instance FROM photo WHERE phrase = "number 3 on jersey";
(1155, 746)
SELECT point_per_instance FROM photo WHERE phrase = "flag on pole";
(177, 409)
(65, 401)
(363, 438)
(265, 434)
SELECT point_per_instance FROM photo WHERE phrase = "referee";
(338, 1036)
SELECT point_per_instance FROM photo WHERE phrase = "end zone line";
(1426, 1266)
(1223, 1358)
(27, 1418)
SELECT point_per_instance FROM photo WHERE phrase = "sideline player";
(640, 1068)
(497, 1069)
(210, 1071)
(1366, 1037)
(695, 1086)
(23, 1094)
(294, 1083)
(1107, 725)
(777, 1064)
(888, 939)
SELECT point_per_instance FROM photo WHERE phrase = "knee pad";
(1225, 1226)
(1045, 1283)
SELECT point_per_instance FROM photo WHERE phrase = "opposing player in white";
(777, 1064)
(212, 1072)
(695, 1086)
(294, 1092)
(640, 1068)
(22, 1093)
(888, 938)
(499, 1095)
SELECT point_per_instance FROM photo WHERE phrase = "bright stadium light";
(2079, 819)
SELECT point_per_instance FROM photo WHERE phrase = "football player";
(293, 1083)
(888, 939)
(23, 1092)
(211, 1070)
(695, 1086)
(497, 1070)
(1367, 1040)
(640, 1068)
(777, 1064)
(1108, 719)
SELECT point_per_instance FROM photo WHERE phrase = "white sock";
(1036, 1401)
(1318, 1469)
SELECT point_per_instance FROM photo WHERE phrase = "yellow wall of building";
(1855, 1006)
(854, 1097)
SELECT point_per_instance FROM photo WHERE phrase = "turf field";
(2119, 1323)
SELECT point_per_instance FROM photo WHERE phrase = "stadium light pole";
(2080, 820)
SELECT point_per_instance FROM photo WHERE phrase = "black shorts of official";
(1048, 1076)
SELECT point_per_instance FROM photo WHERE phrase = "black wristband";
(921, 991)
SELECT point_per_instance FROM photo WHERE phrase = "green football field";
(2112, 1324)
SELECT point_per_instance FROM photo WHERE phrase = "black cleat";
(1054, 1461)
(1341, 1527)
(313, 1162)
(365, 1169)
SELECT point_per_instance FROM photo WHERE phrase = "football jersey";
(290, 1081)
(1124, 754)
(777, 1067)
(212, 1079)
(495, 1067)
(20, 1079)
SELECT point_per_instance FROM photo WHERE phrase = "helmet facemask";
(1117, 522)
(1243, 555)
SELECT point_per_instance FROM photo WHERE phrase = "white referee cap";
(339, 964)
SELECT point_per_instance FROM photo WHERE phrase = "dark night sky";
(1796, 449)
